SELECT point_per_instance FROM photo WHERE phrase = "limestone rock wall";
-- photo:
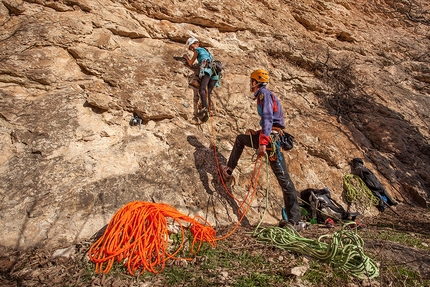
(353, 77)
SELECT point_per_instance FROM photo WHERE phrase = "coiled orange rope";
(137, 235)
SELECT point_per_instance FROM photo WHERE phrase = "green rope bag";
(344, 249)
(356, 189)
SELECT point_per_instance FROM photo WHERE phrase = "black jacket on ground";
(372, 183)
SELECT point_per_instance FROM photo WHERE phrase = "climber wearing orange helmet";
(272, 121)
(208, 80)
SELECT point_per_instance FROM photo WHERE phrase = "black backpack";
(321, 206)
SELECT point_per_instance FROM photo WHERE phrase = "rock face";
(353, 78)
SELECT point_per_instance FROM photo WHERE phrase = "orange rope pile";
(137, 235)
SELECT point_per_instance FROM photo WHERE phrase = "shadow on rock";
(207, 168)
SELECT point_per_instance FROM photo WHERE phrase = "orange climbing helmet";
(260, 75)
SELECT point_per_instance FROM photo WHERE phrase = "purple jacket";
(270, 110)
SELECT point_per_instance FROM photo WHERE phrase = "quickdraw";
(275, 143)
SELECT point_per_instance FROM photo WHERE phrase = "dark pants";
(210, 84)
(279, 168)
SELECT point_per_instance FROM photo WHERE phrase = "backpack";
(373, 183)
(321, 206)
(216, 65)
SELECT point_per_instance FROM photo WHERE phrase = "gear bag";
(217, 66)
(321, 206)
(136, 120)
(287, 141)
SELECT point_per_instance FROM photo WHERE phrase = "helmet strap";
(259, 84)
(251, 88)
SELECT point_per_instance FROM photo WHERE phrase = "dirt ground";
(38, 267)
(408, 224)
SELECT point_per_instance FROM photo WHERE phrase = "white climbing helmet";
(191, 41)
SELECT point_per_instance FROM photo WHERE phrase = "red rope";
(252, 187)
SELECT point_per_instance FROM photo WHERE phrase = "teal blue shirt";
(203, 54)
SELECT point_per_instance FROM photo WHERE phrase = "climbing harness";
(343, 249)
(274, 145)
(279, 140)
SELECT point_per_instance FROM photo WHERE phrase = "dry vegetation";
(399, 244)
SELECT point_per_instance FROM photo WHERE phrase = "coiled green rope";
(355, 188)
(343, 249)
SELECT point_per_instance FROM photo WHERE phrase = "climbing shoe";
(329, 223)
(202, 113)
(205, 118)
(226, 172)
(296, 226)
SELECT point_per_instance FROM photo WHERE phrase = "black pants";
(279, 168)
(210, 84)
